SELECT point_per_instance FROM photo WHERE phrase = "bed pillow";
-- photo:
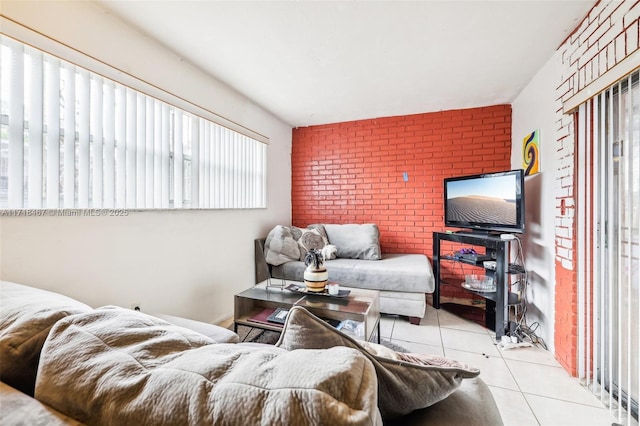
(26, 317)
(406, 382)
(355, 241)
(117, 366)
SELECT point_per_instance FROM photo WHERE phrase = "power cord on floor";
(525, 333)
(522, 331)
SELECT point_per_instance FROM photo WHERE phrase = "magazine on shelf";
(278, 316)
(261, 317)
(270, 316)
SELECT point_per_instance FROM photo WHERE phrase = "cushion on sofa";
(394, 272)
(406, 382)
(290, 243)
(281, 245)
(116, 366)
(355, 241)
(320, 228)
(26, 316)
(310, 239)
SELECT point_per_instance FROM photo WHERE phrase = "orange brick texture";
(352, 172)
(566, 341)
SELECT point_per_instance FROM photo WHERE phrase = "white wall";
(187, 263)
(534, 109)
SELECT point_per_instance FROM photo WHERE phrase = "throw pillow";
(406, 382)
(281, 245)
(329, 252)
(310, 239)
(355, 241)
(320, 228)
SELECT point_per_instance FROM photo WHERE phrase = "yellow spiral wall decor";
(531, 153)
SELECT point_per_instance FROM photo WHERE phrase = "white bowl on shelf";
(479, 283)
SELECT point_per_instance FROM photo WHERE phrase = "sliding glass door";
(609, 244)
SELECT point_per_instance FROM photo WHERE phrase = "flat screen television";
(488, 202)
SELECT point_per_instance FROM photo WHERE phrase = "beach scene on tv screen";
(487, 200)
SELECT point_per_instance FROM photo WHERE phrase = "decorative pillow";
(119, 367)
(26, 316)
(406, 382)
(310, 239)
(329, 252)
(281, 245)
(355, 241)
(320, 228)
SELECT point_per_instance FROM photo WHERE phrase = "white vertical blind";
(52, 117)
(35, 118)
(226, 158)
(141, 150)
(157, 155)
(97, 176)
(178, 159)
(149, 153)
(75, 139)
(125, 169)
(195, 162)
(205, 156)
(580, 237)
(69, 142)
(164, 155)
(109, 159)
(16, 127)
(82, 111)
(217, 177)
(235, 149)
(609, 208)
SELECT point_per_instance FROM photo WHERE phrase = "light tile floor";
(529, 385)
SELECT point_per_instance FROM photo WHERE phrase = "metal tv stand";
(497, 313)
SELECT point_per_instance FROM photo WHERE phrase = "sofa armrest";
(217, 333)
(261, 268)
(21, 409)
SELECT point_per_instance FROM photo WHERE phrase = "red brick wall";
(606, 37)
(566, 320)
(353, 172)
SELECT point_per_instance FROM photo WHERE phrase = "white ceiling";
(322, 62)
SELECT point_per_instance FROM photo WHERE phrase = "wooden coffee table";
(361, 308)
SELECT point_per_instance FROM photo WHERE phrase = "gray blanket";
(119, 367)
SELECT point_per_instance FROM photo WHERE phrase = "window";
(70, 138)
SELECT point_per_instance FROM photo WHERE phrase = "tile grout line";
(505, 360)
(526, 401)
(519, 388)
(440, 332)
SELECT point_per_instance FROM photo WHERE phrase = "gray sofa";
(402, 279)
(78, 365)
